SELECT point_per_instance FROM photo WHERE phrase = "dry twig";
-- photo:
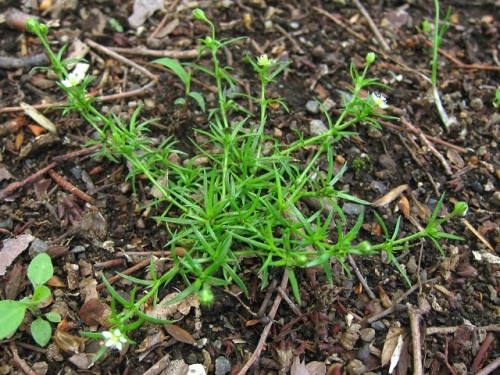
(361, 278)
(373, 27)
(415, 316)
(263, 337)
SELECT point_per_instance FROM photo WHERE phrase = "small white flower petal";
(107, 334)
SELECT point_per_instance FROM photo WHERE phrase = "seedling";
(496, 103)
(12, 313)
(437, 40)
(185, 77)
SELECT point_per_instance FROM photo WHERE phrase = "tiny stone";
(312, 106)
(318, 51)
(481, 151)
(77, 249)
(222, 366)
(294, 25)
(329, 104)
(140, 224)
(378, 325)
(476, 104)
(356, 367)
(38, 246)
(374, 133)
(351, 208)
(76, 172)
(495, 199)
(317, 127)
(367, 334)
(411, 266)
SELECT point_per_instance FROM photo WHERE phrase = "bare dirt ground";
(447, 323)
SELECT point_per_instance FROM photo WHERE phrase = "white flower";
(263, 60)
(76, 76)
(114, 339)
(379, 101)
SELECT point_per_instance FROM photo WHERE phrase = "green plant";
(185, 77)
(246, 199)
(12, 313)
(496, 103)
(438, 35)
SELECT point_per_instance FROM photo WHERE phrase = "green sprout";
(496, 103)
(12, 313)
(438, 35)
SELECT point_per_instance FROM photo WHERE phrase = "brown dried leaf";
(94, 312)
(390, 196)
(455, 158)
(163, 310)
(390, 344)
(56, 282)
(298, 367)
(12, 247)
(404, 206)
(179, 334)
(15, 279)
(316, 368)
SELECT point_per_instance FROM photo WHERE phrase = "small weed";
(245, 201)
(496, 103)
(12, 313)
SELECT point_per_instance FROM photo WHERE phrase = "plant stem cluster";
(248, 200)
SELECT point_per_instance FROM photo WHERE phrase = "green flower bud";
(365, 247)
(205, 296)
(32, 25)
(301, 260)
(370, 57)
(460, 208)
(200, 15)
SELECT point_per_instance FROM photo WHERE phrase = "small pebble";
(312, 106)
(329, 104)
(495, 199)
(367, 334)
(222, 366)
(476, 104)
(317, 127)
(38, 246)
(378, 325)
(318, 51)
(351, 208)
(356, 367)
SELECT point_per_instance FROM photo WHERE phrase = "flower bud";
(200, 15)
(370, 57)
(460, 208)
(365, 248)
(205, 296)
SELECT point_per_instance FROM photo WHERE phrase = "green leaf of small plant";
(11, 316)
(176, 67)
(199, 99)
(53, 317)
(41, 331)
(41, 294)
(40, 269)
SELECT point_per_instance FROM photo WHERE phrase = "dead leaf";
(5, 174)
(455, 158)
(94, 312)
(396, 353)
(168, 28)
(14, 281)
(179, 334)
(390, 344)
(12, 247)
(162, 310)
(316, 368)
(38, 117)
(143, 9)
(299, 368)
(404, 206)
(390, 196)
